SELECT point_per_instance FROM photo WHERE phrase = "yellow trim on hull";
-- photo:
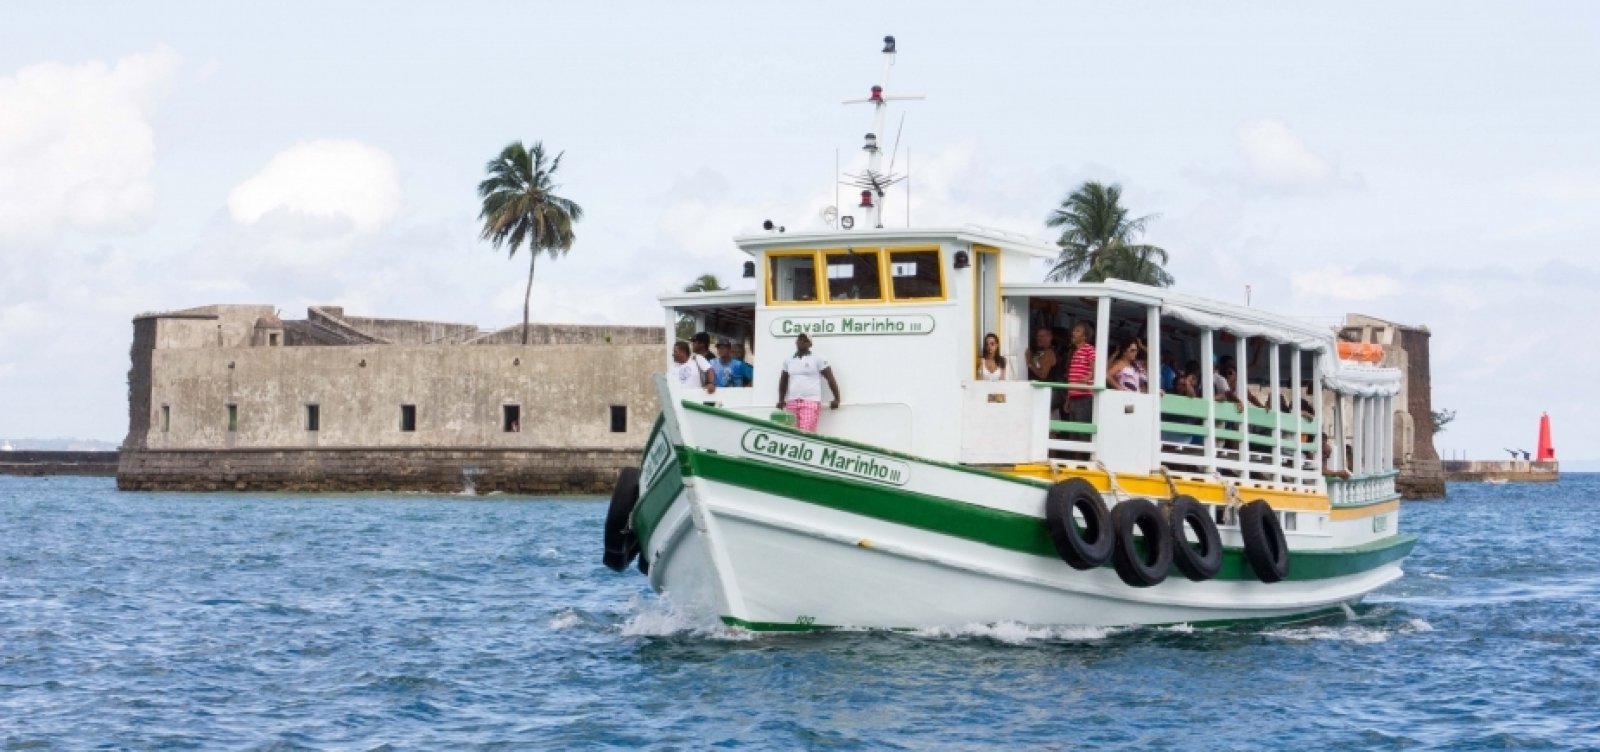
(1155, 486)
(1368, 511)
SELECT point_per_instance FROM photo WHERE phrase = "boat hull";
(768, 542)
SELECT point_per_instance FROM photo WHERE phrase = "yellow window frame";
(771, 289)
(944, 276)
(825, 253)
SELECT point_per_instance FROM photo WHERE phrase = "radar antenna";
(874, 181)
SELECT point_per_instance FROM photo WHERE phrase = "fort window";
(408, 417)
(166, 418)
(233, 418)
(619, 418)
(274, 339)
(511, 418)
(313, 417)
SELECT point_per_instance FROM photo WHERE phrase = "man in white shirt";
(800, 386)
(689, 369)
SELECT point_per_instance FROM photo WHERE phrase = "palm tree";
(1098, 241)
(520, 207)
(702, 283)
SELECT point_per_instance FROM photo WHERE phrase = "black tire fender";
(621, 544)
(1264, 544)
(1202, 559)
(1146, 563)
(1083, 547)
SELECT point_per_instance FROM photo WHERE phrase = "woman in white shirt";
(992, 365)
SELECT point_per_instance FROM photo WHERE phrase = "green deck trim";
(1184, 428)
(791, 430)
(1067, 426)
(654, 504)
(1363, 504)
(1063, 385)
(1187, 407)
(1001, 529)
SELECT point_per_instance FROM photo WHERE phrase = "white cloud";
(338, 181)
(77, 145)
(1336, 283)
(1277, 157)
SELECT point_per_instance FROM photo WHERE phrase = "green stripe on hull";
(1309, 616)
(994, 527)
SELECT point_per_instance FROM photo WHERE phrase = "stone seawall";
(1520, 471)
(1421, 479)
(435, 470)
(99, 464)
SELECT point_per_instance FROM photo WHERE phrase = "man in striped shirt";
(1080, 370)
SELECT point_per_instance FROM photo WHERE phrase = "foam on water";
(658, 617)
(566, 620)
(1014, 633)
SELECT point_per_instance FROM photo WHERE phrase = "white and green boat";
(934, 498)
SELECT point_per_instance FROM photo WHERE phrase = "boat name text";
(655, 460)
(837, 460)
(827, 326)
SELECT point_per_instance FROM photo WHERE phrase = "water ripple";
(396, 622)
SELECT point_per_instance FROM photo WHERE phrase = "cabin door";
(986, 296)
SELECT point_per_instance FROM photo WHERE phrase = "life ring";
(1202, 559)
(621, 543)
(1084, 547)
(1264, 545)
(1146, 563)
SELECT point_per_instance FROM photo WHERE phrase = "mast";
(874, 182)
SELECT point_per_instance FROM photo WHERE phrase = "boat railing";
(1071, 440)
(1251, 445)
(1362, 489)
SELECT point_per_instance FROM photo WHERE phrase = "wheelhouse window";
(792, 278)
(853, 276)
(915, 275)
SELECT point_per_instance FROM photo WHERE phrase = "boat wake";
(660, 618)
(1354, 632)
(1014, 633)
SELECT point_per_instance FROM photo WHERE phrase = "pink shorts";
(805, 413)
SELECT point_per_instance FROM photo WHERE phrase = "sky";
(1428, 163)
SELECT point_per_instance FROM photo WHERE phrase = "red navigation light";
(866, 199)
(877, 93)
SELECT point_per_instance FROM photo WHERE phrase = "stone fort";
(231, 397)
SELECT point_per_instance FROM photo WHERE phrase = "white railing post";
(1153, 365)
(1208, 391)
(1275, 408)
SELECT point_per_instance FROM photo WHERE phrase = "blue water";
(407, 622)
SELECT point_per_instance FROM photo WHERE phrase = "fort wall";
(219, 398)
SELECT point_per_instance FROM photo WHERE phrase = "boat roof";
(1002, 239)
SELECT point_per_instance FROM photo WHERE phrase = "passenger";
(1169, 374)
(689, 369)
(800, 386)
(1223, 379)
(1123, 373)
(1188, 384)
(1046, 364)
(701, 344)
(1080, 370)
(1043, 360)
(992, 365)
(727, 369)
(747, 372)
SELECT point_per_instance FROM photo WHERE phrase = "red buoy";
(1547, 450)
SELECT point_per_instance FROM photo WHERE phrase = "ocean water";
(177, 621)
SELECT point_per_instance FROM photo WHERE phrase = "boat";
(931, 497)
(1496, 481)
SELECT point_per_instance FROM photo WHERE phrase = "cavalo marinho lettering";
(819, 456)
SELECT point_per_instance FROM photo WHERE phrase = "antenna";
(872, 180)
